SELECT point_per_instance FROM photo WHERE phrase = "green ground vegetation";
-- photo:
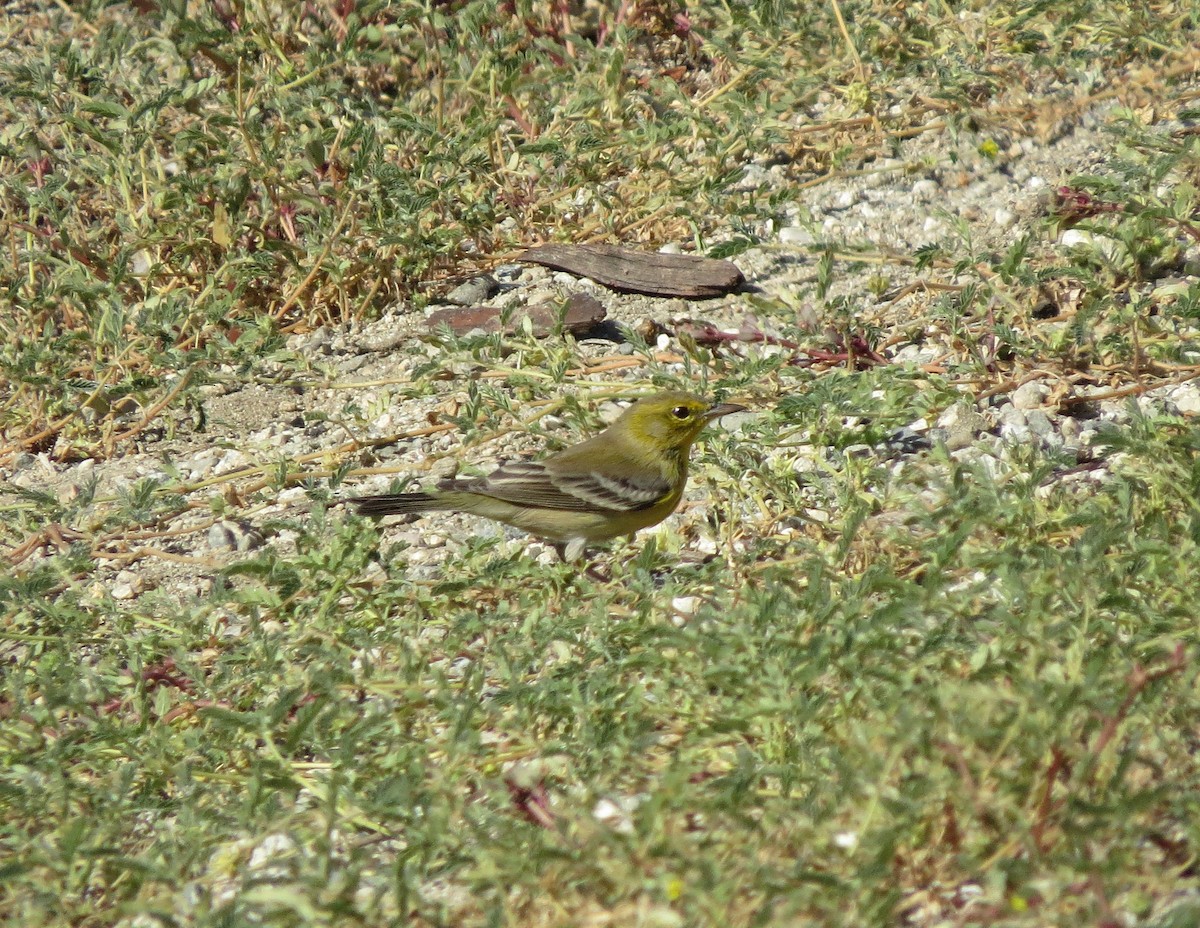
(905, 691)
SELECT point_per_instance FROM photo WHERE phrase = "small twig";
(733, 82)
(1058, 764)
(893, 296)
(54, 428)
(316, 268)
(1135, 390)
(858, 65)
(152, 413)
(855, 349)
(57, 535)
(1009, 386)
(1137, 681)
(137, 554)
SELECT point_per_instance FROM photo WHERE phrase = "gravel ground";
(336, 385)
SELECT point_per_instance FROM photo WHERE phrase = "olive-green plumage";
(630, 476)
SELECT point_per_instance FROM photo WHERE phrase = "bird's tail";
(397, 504)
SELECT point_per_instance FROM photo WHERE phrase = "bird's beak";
(722, 409)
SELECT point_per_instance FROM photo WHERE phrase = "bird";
(628, 477)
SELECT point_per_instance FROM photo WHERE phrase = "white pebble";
(925, 189)
(1187, 399)
(127, 585)
(271, 847)
(1030, 395)
(795, 235)
(685, 605)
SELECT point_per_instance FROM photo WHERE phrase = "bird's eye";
(681, 412)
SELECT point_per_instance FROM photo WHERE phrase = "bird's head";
(671, 421)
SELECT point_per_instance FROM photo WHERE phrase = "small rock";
(1014, 427)
(23, 465)
(228, 535)
(474, 291)
(917, 354)
(201, 464)
(270, 850)
(127, 585)
(1116, 413)
(737, 421)
(961, 423)
(795, 235)
(884, 175)
(618, 814)
(686, 605)
(660, 916)
(754, 177)
(926, 189)
(230, 461)
(316, 342)
(1030, 395)
(842, 201)
(1096, 439)
(1004, 217)
(1039, 424)
(459, 668)
(1151, 404)
(509, 272)
(907, 440)
(1186, 398)
(977, 457)
(1107, 247)
(1167, 289)
(545, 555)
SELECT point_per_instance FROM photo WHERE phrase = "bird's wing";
(531, 483)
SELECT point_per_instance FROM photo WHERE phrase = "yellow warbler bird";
(630, 476)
